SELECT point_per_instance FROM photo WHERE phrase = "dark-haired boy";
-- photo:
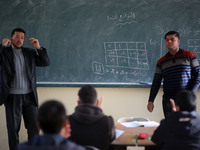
(88, 123)
(52, 121)
(180, 130)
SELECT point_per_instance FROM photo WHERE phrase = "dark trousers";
(167, 108)
(17, 105)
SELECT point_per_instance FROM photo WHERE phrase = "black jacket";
(32, 59)
(91, 127)
(179, 131)
(49, 142)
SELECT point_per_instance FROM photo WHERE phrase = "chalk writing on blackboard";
(124, 59)
(152, 42)
(98, 68)
(126, 55)
(196, 33)
(194, 46)
(131, 73)
(122, 19)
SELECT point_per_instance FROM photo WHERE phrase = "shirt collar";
(180, 51)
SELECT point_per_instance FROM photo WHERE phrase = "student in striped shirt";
(179, 70)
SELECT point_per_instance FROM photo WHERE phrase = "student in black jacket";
(89, 125)
(180, 130)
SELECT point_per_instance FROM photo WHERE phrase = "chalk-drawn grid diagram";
(194, 46)
(131, 55)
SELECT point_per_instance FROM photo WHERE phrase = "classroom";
(111, 44)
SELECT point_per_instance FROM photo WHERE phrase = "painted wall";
(118, 102)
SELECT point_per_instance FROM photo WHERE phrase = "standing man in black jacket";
(89, 125)
(18, 71)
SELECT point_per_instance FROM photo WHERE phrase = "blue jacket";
(179, 131)
(49, 142)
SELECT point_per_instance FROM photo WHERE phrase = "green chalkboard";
(102, 42)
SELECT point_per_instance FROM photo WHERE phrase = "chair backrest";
(130, 119)
(91, 148)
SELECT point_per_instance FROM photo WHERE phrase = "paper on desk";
(118, 132)
(140, 124)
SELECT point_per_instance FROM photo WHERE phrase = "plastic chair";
(130, 119)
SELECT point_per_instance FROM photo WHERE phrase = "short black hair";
(51, 116)
(186, 100)
(87, 94)
(17, 30)
(172, 33)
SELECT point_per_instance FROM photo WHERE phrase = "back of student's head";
(87, 94)
(51, 116)
(186, 100)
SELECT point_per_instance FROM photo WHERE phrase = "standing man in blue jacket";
(18, 71)
(179, 70)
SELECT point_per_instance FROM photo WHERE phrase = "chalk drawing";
(131, 55)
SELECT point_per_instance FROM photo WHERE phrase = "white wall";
(118, 102)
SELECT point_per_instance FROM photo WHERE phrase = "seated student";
(89, 125)
(180, 130)
(52, 121)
